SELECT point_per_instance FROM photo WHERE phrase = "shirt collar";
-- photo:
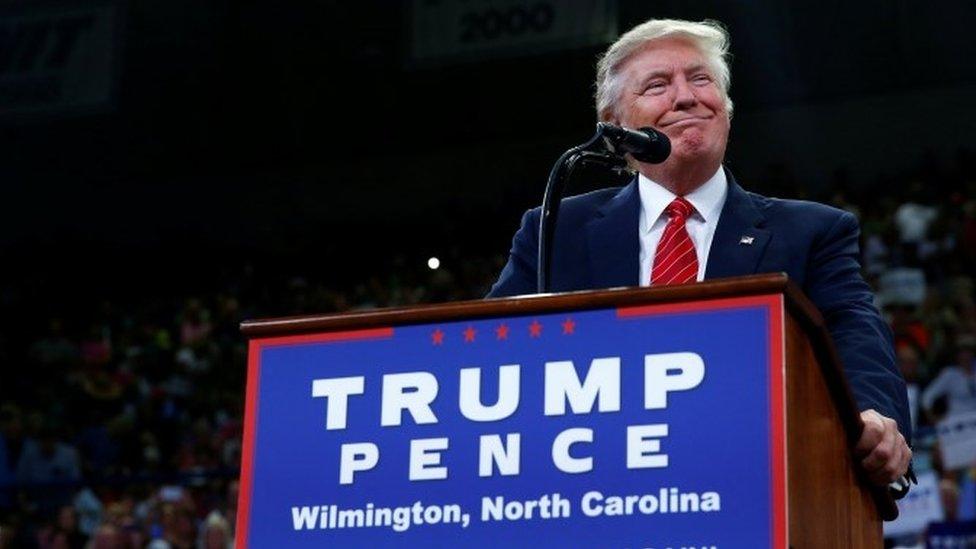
(707, 199)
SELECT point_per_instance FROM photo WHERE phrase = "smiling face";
(669, 86)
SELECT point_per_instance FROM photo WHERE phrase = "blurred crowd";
(120, 424)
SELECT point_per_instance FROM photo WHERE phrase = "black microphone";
(644, 144)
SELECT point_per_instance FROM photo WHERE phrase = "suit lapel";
(614, 248)
(739, 240)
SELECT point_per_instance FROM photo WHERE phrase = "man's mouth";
(684, 121)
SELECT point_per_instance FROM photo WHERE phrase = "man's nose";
(684, 95)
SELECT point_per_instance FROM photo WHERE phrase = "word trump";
(413, 393)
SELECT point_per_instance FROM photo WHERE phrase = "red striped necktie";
(675, 261)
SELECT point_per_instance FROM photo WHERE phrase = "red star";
(535, 329)
(437, 337)
(501, 332)
(469, 334)
(569, 326)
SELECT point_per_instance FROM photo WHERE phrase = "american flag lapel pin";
(747, 240)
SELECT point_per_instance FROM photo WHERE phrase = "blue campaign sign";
(951, 535)
(653, 426)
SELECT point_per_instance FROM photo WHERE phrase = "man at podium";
(687, 220)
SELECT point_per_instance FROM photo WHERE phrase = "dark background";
(293, 135)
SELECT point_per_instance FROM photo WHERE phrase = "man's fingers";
(883, 453)
(870, 438)
(899, 466)
(883, 471)
(874, 430)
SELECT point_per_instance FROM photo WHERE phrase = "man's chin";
(687, 153)
(690, 139)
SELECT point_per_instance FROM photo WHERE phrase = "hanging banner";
(58, 59)
(449, 31)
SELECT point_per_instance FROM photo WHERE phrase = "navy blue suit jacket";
(597, 246)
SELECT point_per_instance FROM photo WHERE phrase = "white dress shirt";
(707, 200)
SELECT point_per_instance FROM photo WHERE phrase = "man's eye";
(654, 88)
(701, 79)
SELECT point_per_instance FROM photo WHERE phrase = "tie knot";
(679, 207)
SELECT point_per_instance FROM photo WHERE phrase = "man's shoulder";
(592, 200)
(798, 212)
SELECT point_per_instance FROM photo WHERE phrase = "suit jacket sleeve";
(519, 276)
(863, 339)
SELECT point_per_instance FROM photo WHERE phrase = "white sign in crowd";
(957, 440)
(920, 507)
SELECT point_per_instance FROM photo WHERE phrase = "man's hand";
(882, 449)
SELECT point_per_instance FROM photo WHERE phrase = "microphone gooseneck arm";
(606, 148)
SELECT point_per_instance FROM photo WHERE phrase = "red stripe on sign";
(777, 423)
(247, 452)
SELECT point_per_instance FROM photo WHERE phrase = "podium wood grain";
(828, 505)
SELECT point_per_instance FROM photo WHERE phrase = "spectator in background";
(49, 466)
(233, 491)
(175, 528)
(908, 364)
(968, 227)
(63, 533)
(913, 217)
(956, 383)
(949, 493)
(96, 348)
(14, 531)
(11, 444)
(54, 348)
(195, 324)
(89, 511)
(215, 533)
(119, 530)
(908, 328)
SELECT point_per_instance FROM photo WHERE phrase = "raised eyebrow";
(699, 67)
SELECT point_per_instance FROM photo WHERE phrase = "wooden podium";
(827, 503)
